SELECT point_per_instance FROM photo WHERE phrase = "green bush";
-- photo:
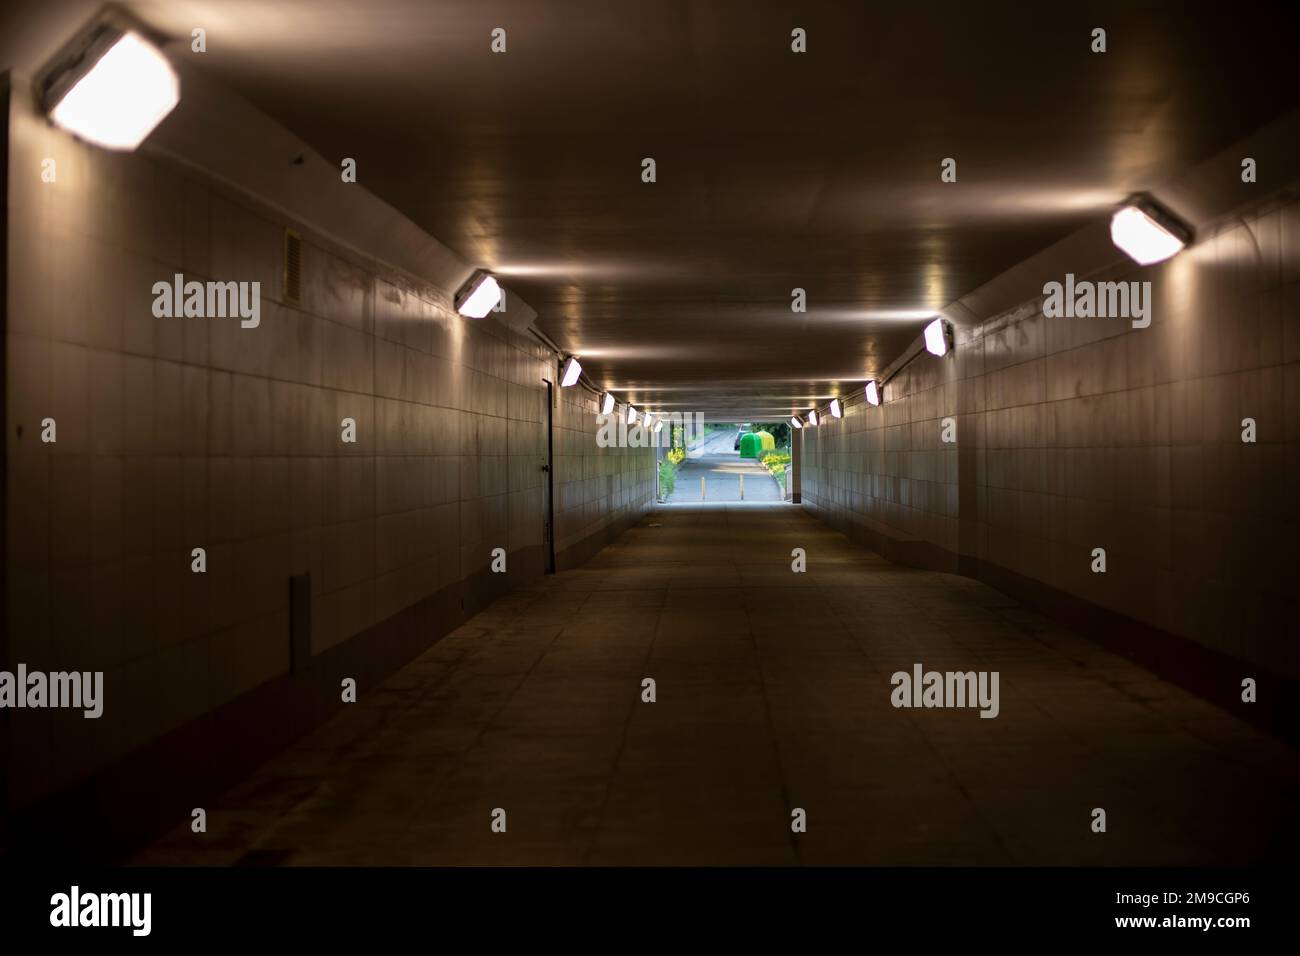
(775, 462)
(667, 476)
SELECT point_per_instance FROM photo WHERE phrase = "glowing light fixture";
(631, 415)
(938, 337)
(115, 92)
(572, 369)
(478, 296)
(645, 420)
(659, 426)
(1147, 232)
(836, 411)
(607, 404)
(795, 423)
(812, 418)
(873, 392)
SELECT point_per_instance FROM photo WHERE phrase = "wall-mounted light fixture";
(795, 423)
(112, 90)
(873, 392)
(478, 295)
(631, 415)
(938, 337)
(606, 403)
(836, 411)
(572, 369)
(1148, 232)
(812, 418)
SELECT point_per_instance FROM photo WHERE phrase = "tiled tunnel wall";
(599, 492)
(1078, 433)
(177, 433)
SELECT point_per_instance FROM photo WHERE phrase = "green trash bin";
(751, 445)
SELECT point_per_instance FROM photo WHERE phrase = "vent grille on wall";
(292, 267)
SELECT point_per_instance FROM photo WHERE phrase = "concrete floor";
(773, 693)
(722, 468)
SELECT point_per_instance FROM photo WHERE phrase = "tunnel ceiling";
(775, 170)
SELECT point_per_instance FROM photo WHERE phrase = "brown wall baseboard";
(152, 790)
(912, 552)
(1210, 674)
(578, 554)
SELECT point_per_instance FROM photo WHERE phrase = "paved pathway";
(773, 692)
(722, 468)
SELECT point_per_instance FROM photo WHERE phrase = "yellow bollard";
(742, 487)
(701, 487)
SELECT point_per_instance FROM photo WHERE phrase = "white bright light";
(572, 369)
(812, 418)
(1141, 237)
(836, 412)
(796, 423)
(631, 415)
(122, 97)
(607, 404)
(936, 338)
(873, 393)
(659, 425)
(482, 299)
(645, 422)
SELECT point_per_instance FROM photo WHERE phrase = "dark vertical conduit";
(550, 476)
(5, 728)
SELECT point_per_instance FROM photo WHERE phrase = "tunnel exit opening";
(727, 462)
